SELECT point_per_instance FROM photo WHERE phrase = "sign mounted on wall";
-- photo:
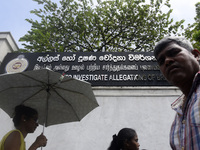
(98, 68)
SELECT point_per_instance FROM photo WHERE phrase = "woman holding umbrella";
(25, 121)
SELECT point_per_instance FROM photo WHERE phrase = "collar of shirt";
(178, 103)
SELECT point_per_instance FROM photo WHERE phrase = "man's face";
(177, 64)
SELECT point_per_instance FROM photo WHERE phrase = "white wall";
(146, 109)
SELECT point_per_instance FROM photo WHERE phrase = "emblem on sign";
(18, 64)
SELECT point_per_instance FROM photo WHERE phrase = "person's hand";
(41, 141)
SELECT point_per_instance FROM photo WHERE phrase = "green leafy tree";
(109, 26)
(192, 32)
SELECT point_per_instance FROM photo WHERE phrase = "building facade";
(7, 44)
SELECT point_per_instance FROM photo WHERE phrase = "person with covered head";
(25, 121)
(179, 63)
(126, 139)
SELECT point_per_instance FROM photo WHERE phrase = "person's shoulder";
(13, 140)
(14, 134)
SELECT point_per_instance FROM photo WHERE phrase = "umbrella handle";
(45, 113)
(43, 128)
(43, 134)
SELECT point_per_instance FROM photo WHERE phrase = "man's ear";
(196, 53)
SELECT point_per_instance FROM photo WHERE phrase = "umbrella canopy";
(58, 99)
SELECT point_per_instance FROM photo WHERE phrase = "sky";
(14, 12)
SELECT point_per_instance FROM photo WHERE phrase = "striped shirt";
(185, 130)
